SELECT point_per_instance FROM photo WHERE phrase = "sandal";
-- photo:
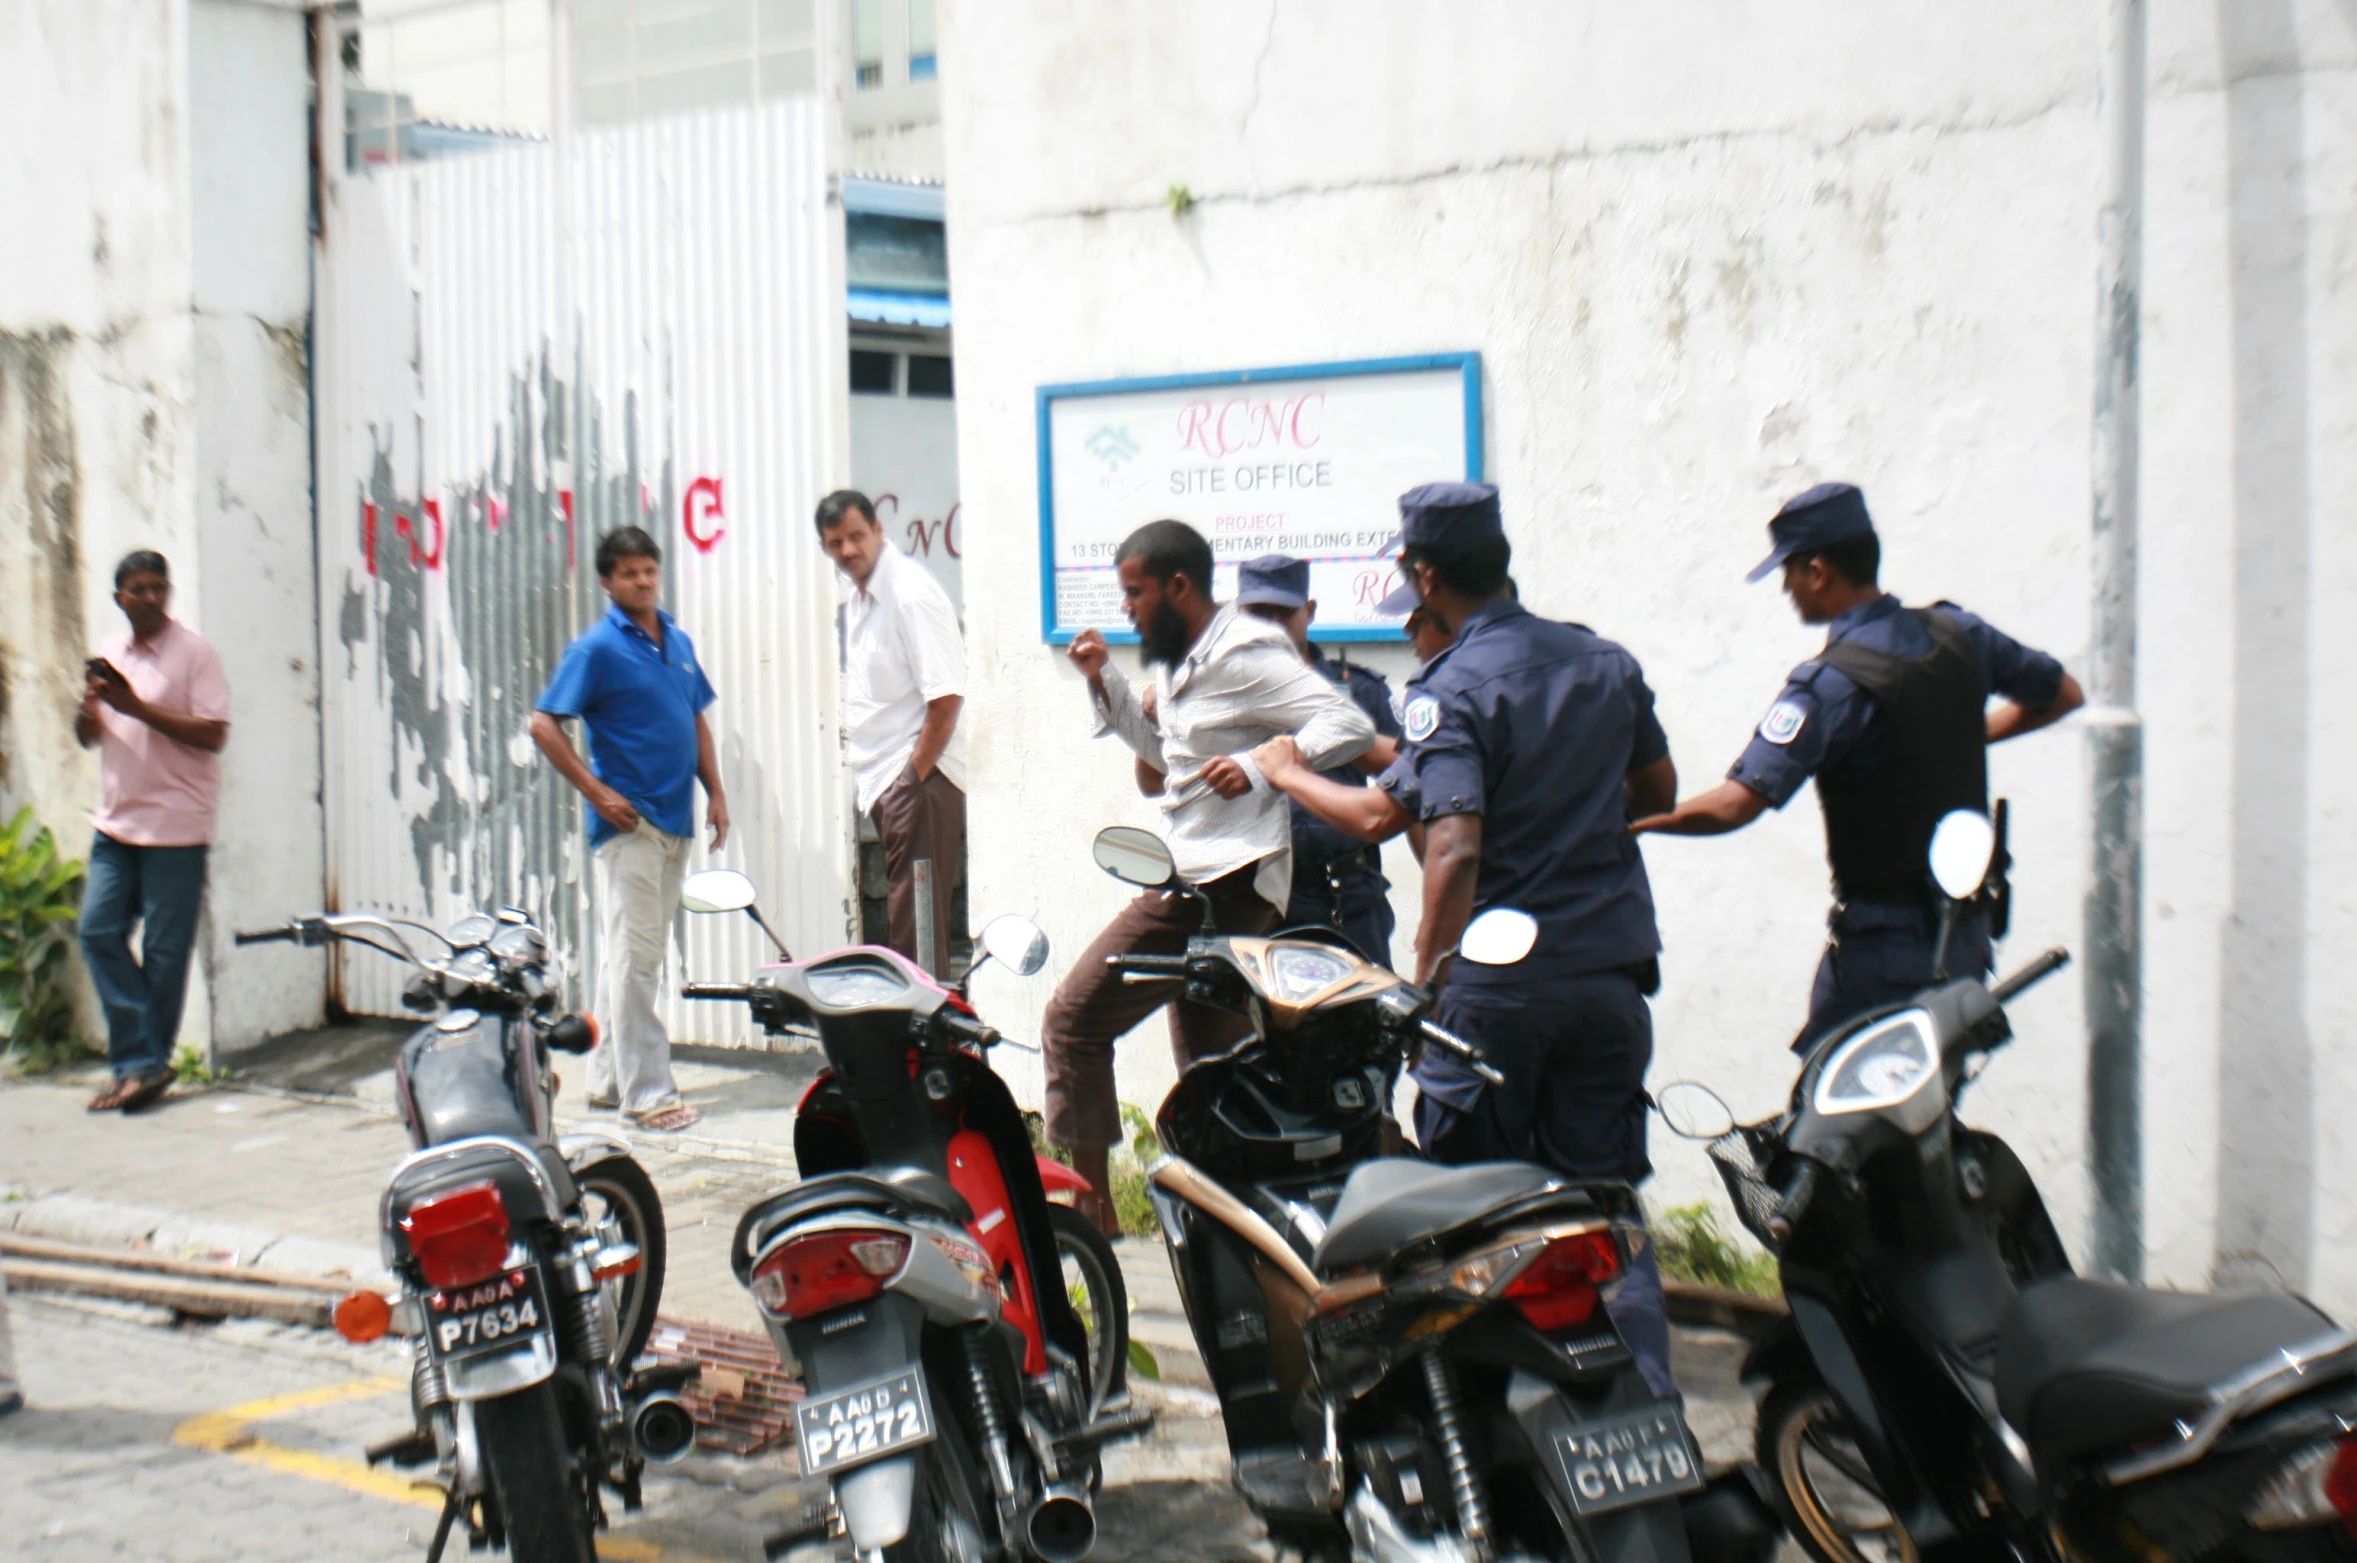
(147, 1090)
(667, 1120)
(116, 1093)
(604, 1104)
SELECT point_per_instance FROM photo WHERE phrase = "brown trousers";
(921, 819)
(1093, 1007)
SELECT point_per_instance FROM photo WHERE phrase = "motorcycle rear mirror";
(1693, 1111)
(1960, 852)
(1138, 856)
(717, 890)
(1500, 936)
(1015, 943)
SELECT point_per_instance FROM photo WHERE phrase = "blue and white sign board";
(1308, 461)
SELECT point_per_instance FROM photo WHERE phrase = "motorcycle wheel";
(531, 1477)
(1830, 1501)
(1092, 1280)
(619, 1187)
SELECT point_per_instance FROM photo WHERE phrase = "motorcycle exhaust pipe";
(1062, 1527)
(661, 1428)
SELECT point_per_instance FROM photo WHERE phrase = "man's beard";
(1164, 637)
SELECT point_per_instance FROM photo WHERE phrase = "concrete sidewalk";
(283, 1166)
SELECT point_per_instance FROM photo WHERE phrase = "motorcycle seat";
(897, 1191)
(2084, 1366)
(1394, 1201)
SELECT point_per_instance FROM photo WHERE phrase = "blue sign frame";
(1468, 365)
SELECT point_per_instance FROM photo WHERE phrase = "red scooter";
(962, 1339)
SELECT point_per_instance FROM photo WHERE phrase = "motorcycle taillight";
(1559, 1288)
(460, 1237)
(826, 1270)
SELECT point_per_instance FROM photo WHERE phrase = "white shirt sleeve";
(1121, 714)
(935, 649)
(1285, 692)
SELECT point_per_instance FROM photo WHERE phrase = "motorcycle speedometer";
(856, 986)
(1881, 1067)
(1300, 972)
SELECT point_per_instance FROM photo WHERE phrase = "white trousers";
(638, 878)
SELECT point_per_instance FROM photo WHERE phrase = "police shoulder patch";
(1783, 722)
(1421, 719)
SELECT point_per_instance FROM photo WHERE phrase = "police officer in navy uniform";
(1893, 719)
(1528, 746)
(1337, 879)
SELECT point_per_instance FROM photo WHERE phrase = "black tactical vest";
(1934, 758)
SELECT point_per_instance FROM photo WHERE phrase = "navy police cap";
(1448, 515)
(1812, 520)
(1280, 580)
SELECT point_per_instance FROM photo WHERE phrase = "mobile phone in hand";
(104, 671)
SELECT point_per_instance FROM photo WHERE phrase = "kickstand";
(442, 1530)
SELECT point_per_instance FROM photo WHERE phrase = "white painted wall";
(153, 292)
(1713, 254)
(904, 456)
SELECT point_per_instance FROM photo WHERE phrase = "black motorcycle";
(917, 1280)
(1945, 1387)
(531, 1264)
(1412, 1360)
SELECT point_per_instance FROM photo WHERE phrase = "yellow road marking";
(231, 1433)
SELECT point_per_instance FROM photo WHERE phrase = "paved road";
(240, 1443)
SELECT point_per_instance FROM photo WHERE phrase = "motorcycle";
(1945, 1387)
(531, 1264)
(1413, 1360)
(917, 1280)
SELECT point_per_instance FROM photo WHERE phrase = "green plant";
(1179, 199)
(189, 1067)
(1693, 1249)
(40, 895)
(1129, 1163)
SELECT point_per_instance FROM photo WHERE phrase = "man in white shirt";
(1225, 682)
(904, 682)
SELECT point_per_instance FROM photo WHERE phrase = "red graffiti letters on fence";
(922, 534)
(423, 529)
(702, 505)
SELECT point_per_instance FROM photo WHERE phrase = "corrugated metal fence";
(474, 446)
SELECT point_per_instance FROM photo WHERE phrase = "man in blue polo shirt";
(634, 682)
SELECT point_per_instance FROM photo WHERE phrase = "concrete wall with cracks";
(1712, 254)
(154, 307)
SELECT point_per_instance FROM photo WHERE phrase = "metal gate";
(511, 358)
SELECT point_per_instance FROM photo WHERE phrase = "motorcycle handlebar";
(266, 936)
(2037, 971)
(972, 1030)
(1148, 965)
(716, 990)
(1464, 1050)
(1795, 1203)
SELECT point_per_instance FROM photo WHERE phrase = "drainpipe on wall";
(2115, 895)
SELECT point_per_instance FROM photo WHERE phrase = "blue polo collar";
(629, 625)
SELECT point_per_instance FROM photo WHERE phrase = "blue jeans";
(158, 889)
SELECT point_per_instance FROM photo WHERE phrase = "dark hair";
(141, 561)
(1169, 548)
(624, 542)
(1856, 560)
(843, 501)
(1475, 570)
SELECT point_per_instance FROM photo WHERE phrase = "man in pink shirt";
(155, 703)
